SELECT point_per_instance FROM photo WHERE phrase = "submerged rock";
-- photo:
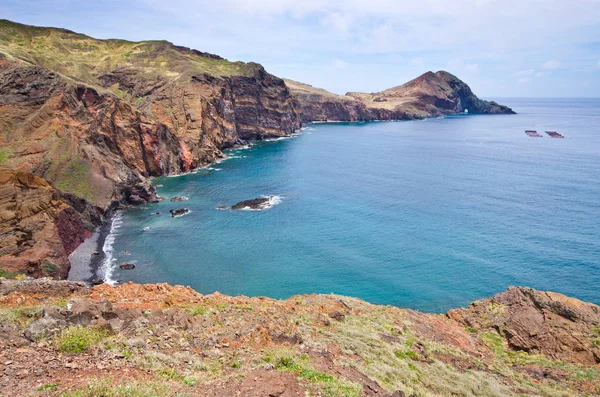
(254, 204)
(179, 212)
(179, 198)
(222, 208)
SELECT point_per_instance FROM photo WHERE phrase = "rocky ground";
(66, 339)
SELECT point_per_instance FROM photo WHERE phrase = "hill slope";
(96, 117)
(429, 95)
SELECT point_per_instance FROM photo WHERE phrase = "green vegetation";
(406, 354)
(108, 388)
(48, 387)
(8, 275)
(21, 316)
(4, 155)
(596, 337)
(84, 58)
(77, 339)
(199, 311)
(48, 268)
(494, 341)
(327, 384)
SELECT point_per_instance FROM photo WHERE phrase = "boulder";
(127, 266)
(253, 204)
(179, 212)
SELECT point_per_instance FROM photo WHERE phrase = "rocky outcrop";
(253, 204)
(39, 229)
(162, 335)
(538, 322)
(429, 95)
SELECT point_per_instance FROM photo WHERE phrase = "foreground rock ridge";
(65, 338)
(97, 118)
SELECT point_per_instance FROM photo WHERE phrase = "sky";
(501, 48)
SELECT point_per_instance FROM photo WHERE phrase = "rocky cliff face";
(429, 95)
(96, 118)
(99, 130)
(39, 227)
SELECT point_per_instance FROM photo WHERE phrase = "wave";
(107, 268)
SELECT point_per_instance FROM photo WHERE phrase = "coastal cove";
(427, 215)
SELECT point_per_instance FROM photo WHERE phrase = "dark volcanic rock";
(179, 212)
(127, 266)
(254, 204)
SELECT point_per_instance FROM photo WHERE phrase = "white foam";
(107, 266)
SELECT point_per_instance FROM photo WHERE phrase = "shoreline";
(84, 265)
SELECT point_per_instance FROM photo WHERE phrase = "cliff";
(429, 95)
(97, 117)
(64, 338)
(39, 226)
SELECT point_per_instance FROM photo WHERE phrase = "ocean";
(428, 215)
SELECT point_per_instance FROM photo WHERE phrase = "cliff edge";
(64, 338)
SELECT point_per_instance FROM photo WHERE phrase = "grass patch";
(78, 339)
(107, 388)
(199, 311)
(21, 316)
(8, 275)
(327, 384)
(596, 336)
(4, 154)
(406, 354)
(49, 269)
(494, 341)
(48, 387)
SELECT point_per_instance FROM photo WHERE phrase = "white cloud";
(524, 80)
(551, 65)
(419, 62)
(539, 74)
(338, 22)
(338, 64)
(526, 72)
(472, 68)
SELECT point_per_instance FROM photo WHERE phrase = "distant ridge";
(429, 95)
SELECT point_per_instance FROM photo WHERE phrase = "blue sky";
(500, 48)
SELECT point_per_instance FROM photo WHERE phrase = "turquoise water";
(428, 214)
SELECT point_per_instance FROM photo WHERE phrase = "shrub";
(79, 339)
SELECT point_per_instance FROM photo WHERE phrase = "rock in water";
(254, 204)
(98, 281)
(179, 212)
(127, 266)
(179, 198)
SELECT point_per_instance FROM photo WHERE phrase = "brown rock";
(538, 322)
